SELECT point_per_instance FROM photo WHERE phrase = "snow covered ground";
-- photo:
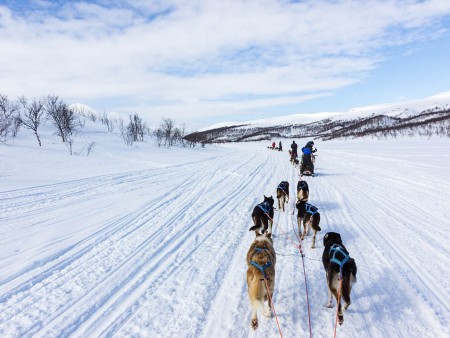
(148, 242)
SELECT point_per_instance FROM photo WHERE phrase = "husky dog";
(263, 215)
(302, 191)
(338, 264)
(294, 159)
(308, 214)
(261, 261)
(283, 194)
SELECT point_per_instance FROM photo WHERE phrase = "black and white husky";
(262, 216)
(340, 271)
(309, 215)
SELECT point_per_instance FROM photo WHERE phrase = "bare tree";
(32, 115)
(124, 132)
(136, 128)
(159, 135)
(62, 116)
(167, 127)
(9, 118)
(182, 129)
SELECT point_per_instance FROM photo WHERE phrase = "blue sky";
(203, 62)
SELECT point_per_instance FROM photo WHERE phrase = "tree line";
(31, 113)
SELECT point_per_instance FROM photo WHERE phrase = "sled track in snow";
(173, 264)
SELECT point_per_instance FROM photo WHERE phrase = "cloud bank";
(194, 60)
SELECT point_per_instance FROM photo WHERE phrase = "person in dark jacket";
(280, 147)
(294, 148)
(307, 151)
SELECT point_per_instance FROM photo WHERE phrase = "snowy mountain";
(145, 241)
(421, 117)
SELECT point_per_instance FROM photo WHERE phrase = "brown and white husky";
(261, 261)
(302, 191)
(283, 194)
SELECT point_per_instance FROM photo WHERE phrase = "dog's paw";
(340, 319)
(254, 324)
(313, 246)
(329, 305)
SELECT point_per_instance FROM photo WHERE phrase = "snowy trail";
(161, 252)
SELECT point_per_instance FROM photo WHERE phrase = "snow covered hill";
(148, 242)
(426, 117)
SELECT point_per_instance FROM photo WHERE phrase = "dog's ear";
(257, 233)
(326, 239)
(268, 235)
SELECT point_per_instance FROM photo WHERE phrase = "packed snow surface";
(151, 242)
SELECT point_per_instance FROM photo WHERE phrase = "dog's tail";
(256, 222)
(279, 193)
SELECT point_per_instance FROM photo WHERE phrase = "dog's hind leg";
(347, 284)
(299, 224)
(306, 226)
(253, 293)
(338, 296)
(329, 303)
(346, 287)
(315, 226)
(269, 226)
(268, 306)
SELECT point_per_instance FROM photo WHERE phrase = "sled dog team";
(339, 267)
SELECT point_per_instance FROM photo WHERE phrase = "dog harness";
(311, 209)
(282, 186)
(259, 267)
(265, 207)
(302, 185)
(336, 249)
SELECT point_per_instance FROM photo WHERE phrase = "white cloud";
(193, 56)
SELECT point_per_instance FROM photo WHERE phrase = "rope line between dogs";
(299, 246)
(307, 292)
(273, 307)
(304, 269)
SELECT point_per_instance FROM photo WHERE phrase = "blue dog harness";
(302, 185)
(265, 207)
(282, 186)
(311, 209)
(337, 249)
(259, 267)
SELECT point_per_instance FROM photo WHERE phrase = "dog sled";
(307, 166)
